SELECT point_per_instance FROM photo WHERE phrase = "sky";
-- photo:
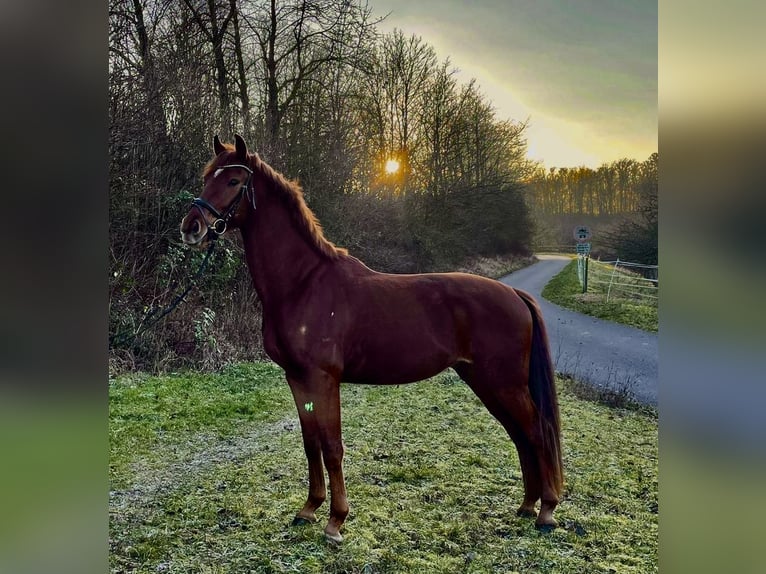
(583, 72)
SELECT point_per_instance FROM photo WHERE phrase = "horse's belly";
(396, 364)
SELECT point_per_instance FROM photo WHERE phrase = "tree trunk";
(222, 81)
(243, 92)
(157, 123)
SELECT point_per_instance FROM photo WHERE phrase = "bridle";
(222, 220)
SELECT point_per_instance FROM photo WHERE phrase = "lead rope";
(152, 317)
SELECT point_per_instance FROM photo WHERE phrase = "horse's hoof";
(302, 521)
(546, 527)
(335, 538)
(526, 512)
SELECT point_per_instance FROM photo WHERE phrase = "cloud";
(586, 69)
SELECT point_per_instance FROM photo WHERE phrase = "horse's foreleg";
(328, 417)
(312, 444)
(332, 450)
(319, 402)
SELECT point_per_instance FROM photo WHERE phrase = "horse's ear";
(241, 147)
(217, 145)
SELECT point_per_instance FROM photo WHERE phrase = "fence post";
(611, 279)
(585, 275)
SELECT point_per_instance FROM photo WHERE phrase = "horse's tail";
(542, 386)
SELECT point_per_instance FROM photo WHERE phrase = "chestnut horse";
(328, 318)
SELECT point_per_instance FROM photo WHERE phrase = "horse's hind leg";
(525, 414)
(530, 471)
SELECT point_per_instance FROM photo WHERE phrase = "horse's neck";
(279, 257)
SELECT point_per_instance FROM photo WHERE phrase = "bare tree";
(635, 237)
(298, 40)
(439, 108)
(213, 23)
(244, 94)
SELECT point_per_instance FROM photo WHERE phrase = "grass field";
(207, 471)
(565, 290)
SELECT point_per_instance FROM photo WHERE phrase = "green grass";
(565, 290)
(207, 471)
(147, 412)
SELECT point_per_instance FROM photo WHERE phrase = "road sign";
(581, 233)
(583, 248)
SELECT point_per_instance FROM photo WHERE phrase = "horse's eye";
(233, 182)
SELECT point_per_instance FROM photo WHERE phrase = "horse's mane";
(291, 194)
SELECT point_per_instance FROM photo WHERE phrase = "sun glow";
(392, 166)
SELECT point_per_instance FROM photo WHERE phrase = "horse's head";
(227, 178)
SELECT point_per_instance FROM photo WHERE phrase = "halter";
(219, 225)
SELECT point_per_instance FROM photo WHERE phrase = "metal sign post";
(585, 283)
(582, 234)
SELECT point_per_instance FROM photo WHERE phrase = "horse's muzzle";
(193, 230)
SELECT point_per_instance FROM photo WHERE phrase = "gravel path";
(595, 351)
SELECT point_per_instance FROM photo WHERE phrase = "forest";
(618, 200)
(328, 99)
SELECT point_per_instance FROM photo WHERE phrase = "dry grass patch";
(496, 267)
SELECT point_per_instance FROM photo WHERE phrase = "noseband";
(222, 220)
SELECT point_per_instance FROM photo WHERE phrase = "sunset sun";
(392, 166)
